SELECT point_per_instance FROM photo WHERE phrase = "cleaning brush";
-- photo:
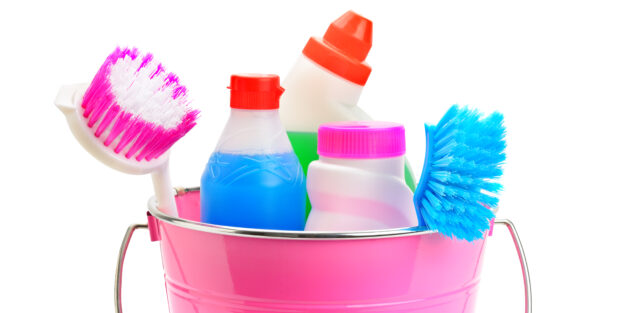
(457, 192)
(129, 116)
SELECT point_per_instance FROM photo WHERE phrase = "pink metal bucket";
(218, 269)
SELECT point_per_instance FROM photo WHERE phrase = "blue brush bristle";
(459, 182)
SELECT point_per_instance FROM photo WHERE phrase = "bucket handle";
(118, 282)
(522, 260)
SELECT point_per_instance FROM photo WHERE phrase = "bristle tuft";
(135, 107)
(459, 186)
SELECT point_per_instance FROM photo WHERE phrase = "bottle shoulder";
(313, 96)
(254, 132)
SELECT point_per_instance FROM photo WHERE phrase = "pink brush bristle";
(135, 108)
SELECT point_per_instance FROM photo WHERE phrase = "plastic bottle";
(254, 179)
(358, 183)
(325, 85)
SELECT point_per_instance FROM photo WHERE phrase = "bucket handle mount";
(118, 282)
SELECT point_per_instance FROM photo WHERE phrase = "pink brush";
(130, 116)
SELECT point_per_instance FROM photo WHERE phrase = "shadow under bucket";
(217, 269)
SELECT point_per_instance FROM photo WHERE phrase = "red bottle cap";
(255, 91)
(344, 47)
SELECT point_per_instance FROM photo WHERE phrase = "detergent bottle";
(325, 85)
(254, 179)
(358, 183)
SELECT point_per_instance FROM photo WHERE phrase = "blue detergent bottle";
(253, 178)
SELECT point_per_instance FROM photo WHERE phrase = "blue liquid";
(254, 191)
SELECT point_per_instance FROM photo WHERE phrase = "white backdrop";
(552, 67)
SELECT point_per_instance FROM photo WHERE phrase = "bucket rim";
(277, 234)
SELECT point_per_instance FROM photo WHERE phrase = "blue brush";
(458, 186)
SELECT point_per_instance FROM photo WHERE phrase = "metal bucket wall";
(218, 269)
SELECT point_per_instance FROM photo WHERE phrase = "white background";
(552, 67)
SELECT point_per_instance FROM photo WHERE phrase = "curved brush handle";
(68, 100)
(164, 193)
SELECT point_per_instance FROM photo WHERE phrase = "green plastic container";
(325, 85)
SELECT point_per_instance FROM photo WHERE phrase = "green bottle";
(325, 85)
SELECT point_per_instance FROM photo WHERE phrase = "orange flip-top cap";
(344, 47)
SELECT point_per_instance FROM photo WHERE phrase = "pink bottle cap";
(361, 140)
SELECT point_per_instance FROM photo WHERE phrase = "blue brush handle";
(422, 184)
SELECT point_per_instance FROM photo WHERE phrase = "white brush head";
(68, 100)
(130, 114)
(129, 117)
(142, 95)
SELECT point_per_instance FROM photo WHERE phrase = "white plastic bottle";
(358, 183)
(325, 85)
